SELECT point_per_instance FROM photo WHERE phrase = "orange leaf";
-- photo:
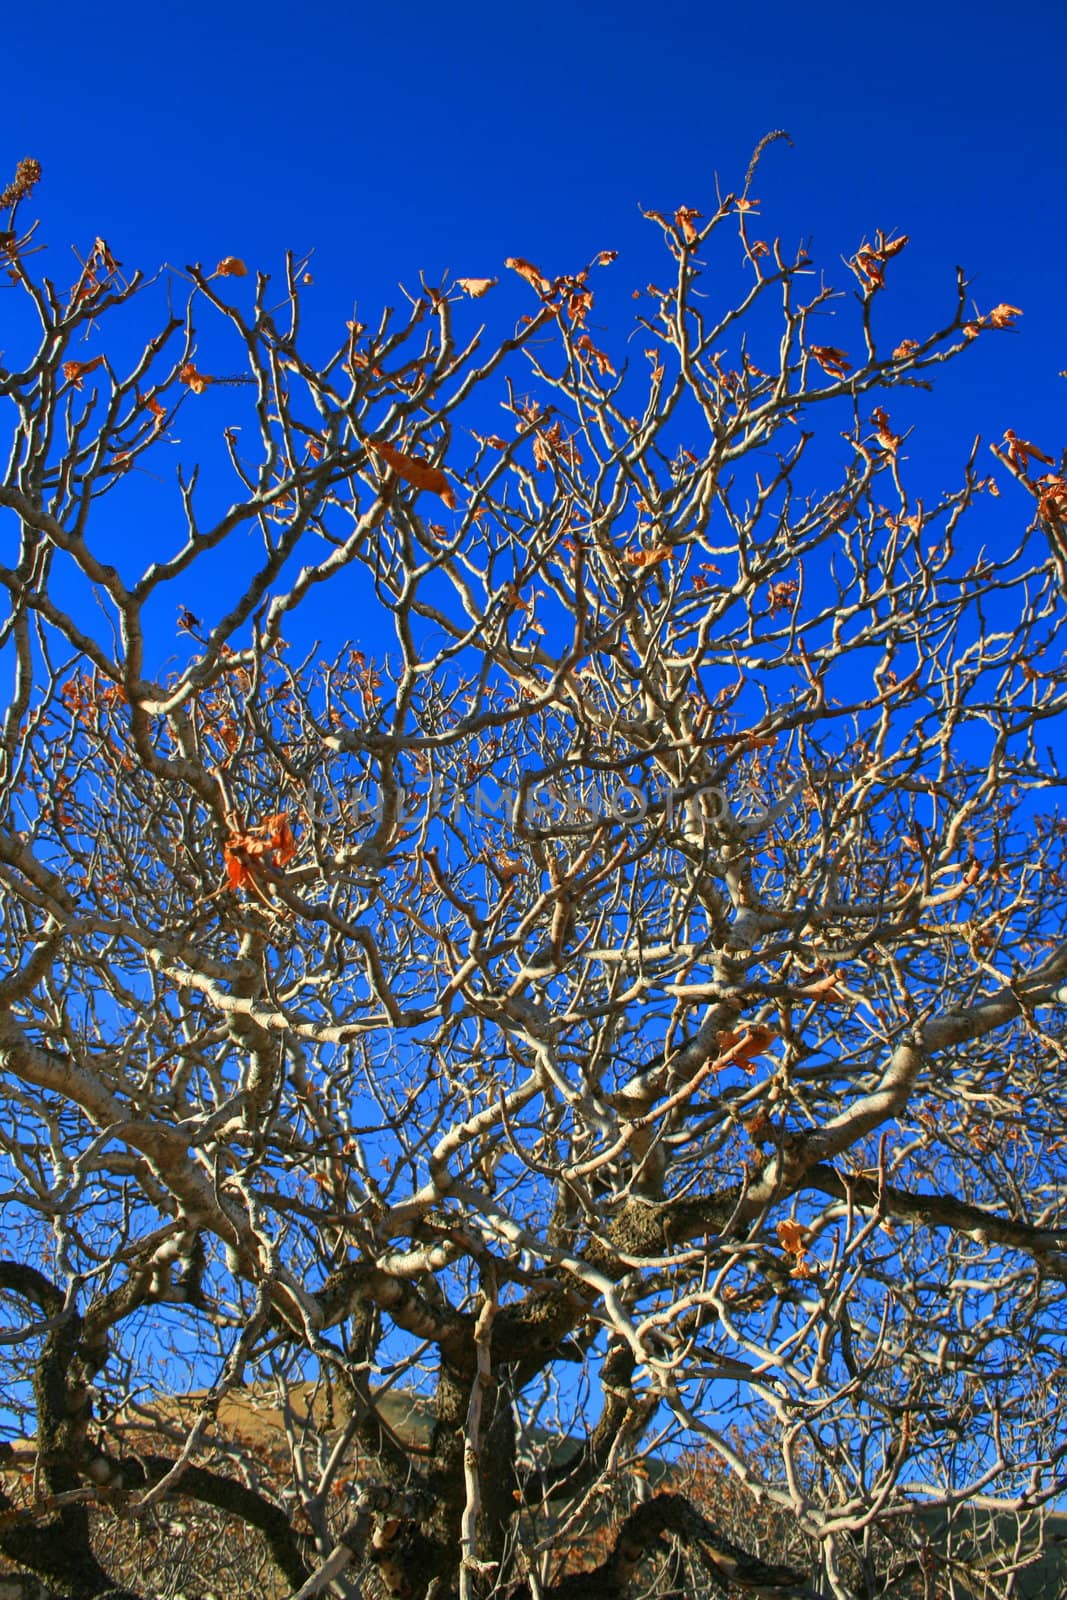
(476, 287)
(527, 270)
(238, 874)
(1003, 316)
(588, 351)
(231, 267)
(280, 838)
(75, 371)
(649, 558)
(1021, 452)
(271, 842)
(748, 741)
(1053, 502)
(834, 361)
(906, 348)
(791, 1236)
(197, 381)
(886, 437)
(824, 988)
(419, 473)
(685, 216)
(744, 1047)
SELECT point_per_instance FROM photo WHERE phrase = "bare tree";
(609, 1008)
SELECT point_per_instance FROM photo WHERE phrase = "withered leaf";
(197, 381)
(1021, 452)
(419, 473)
(832, 360)
(685, 216)
(75, 371)
(527, 270)
(476, 287)
(649, 558)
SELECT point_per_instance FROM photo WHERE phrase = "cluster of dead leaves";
(269, 843)
(869, 262)
(97, 272)
(832, 360)
(793, 1236)
(569, 294)
(780, 596)
(84, 697)
(27, 175)
(551, 444)
(1052, 502)
(1002, 316)
(419, 473)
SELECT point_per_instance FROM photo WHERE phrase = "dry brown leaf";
(906, 348)
(748, 741)
(476, 287)
(1021, 452)
(824, 988)
(75, 371)
(791, 1236)
(832, 360)
(685, 216)
(231, 267)
(270, 842)
(886, 437)
(1053, 501)
(419, 473)
(1003, 316)
(743, 1047)
(649, 558)
(197, 381)
(527, 270)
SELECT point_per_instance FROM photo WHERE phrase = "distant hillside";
(252, 1428)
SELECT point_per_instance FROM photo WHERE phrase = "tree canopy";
(533, 936)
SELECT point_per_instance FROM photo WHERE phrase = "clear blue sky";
(391, 138)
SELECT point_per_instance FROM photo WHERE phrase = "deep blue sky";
(391, 138)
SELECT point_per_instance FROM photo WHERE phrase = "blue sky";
(424, 135)
(433, 136)
(390, 139)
